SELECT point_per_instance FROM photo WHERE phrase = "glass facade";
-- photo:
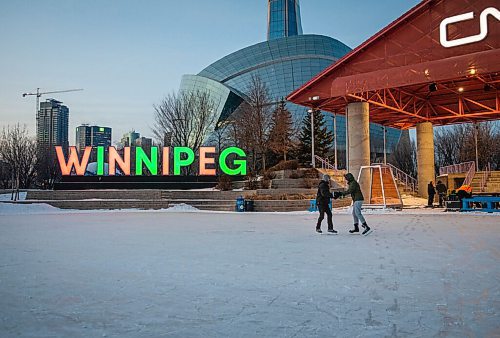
(284, 19)
(92, 136)
(52, 124)
(283, 63)
(225, 100)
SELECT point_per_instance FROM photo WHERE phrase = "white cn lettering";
(483, 22)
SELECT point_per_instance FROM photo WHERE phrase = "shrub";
(251, 183)
(265, 183)
(310, 183)
(224, 183)
(311, 173)
(269, 175)
(285, 165)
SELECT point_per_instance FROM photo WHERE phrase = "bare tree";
(18, 152)
(47, 167)
(188, 117)
(254, 122)
(456, 144)
(404, 155)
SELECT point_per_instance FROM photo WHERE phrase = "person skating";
(357, 202)
(431, 191)
(441, 190)
(323, 197)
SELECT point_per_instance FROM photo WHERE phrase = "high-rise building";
(92, 136)
(144, 142)
(52, 125)
(129, 139)
(284, 19)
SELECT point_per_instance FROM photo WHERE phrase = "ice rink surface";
(195, 274)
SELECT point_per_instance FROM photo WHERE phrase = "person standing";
(323, 197)
(441, 190)
(357, 202)
(431, 192)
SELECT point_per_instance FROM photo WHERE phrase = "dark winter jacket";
(430, 189)
(323, 195)
(353, 189)
(441, 188)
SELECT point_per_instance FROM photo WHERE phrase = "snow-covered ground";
(421, 273)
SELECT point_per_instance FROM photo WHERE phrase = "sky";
(127, 55)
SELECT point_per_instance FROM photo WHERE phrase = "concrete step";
(288, 183)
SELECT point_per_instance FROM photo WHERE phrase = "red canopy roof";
(435, 63)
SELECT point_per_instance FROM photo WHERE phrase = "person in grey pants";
(357, 198)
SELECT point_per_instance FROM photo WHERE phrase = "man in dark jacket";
(357, 202)
(441, 190)
(323, 203)
(431, 192)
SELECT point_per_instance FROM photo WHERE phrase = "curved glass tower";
(284, 62)
(283, 19)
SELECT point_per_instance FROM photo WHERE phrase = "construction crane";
(38, 94)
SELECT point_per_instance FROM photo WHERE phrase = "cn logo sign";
(483, 22)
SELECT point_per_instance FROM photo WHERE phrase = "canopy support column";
(358, 134)
(425, 157)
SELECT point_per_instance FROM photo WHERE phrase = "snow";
(6, 197)
(182, 207)
(421, 273)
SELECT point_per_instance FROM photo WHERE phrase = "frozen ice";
(421, 273)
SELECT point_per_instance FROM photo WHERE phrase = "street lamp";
(385, 151)
(335, 138)
(313, 160)
(314, 98)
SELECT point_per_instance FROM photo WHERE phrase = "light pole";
(313, 160)
(475, 141)
(385, 151)
(314, 98)
(335, 138)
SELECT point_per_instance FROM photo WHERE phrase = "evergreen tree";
(280, 135)
(323, 138)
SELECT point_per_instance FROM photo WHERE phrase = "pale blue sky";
(128, 54)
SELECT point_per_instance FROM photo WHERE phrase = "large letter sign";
(483, 23)
(181, 157)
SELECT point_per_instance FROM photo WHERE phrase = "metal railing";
(485, 175)
(457, 168)
(325, 163)
(470, 174)
(408, 181)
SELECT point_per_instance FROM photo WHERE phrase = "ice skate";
(367, 229)
(355, 230)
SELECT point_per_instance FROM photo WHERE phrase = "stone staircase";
(337, 177)
(492, 183)
(288, 183)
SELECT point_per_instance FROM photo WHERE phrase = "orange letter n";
(115, 158)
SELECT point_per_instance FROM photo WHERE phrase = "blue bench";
(491, 202)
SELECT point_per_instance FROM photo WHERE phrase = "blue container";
(313, 207)
(240, 204)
